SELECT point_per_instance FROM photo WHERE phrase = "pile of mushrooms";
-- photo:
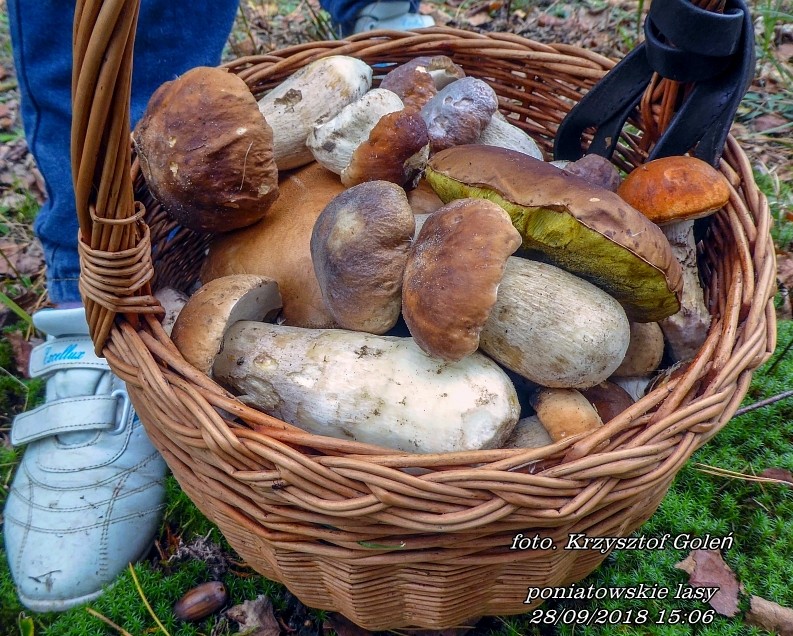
(397, 265)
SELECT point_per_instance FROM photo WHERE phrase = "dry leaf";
(255, 618)
(768, 123)
(706, 568)
(770, 616)
(479, 18)
(784, 52)
(778, 473)
(21, 349)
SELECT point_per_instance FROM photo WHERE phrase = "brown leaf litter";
(706, 568)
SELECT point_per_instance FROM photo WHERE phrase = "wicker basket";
(341, 523)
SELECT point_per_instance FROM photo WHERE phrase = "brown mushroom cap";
(198, 331)
(418, 80)
(396, 151)
(423, 199)
(597, 170)
(359, 247)
(206, 152)
(608, 398)
(645, 350)
(572, 223)
(452, 275)
(458, 113)
(675, 189)
(413, 84)
(278, 246)
(565, 412)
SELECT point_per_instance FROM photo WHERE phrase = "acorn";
(201, 601)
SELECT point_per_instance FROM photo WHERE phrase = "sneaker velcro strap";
(65, 353)
(66, 415)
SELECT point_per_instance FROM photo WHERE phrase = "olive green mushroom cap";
(571, 223)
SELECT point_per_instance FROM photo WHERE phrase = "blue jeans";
(172, 37)
(344, 12)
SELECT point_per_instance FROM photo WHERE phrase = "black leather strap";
(715, 51)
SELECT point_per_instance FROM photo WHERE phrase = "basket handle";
(113, 242)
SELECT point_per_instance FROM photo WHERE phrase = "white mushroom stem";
(333, 142)
(504, 134)
(528, 433)
(685, 332)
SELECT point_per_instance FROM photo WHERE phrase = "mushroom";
(608, 398)
(206, 152)
(202, 324)
(635, 386)
(565, 413)
(645, 351)
(279, 246)
(419, 80)
(316, 92)
(553, 328)
(595, 169)
(423, 199)
(672, 192)
(374, 138)
(502, 133)
(359, 247)
(569, 222)
(528, 433)
(172, 302)
(459, 112)
(452, 275)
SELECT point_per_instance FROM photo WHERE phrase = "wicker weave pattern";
(387, 538)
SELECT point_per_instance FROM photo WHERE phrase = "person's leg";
(355, 16)
(87, 496)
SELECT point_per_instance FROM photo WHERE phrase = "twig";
(723, 472)
(106, 620)
(762, 403)
(145, 600)
(779, 358)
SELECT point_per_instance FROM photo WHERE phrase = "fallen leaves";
(779, 474)
(770, 616)
(255, 618)
(706, 568)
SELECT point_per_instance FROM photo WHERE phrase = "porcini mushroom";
(528, 433)
(279, 246)
(672, 192)
(645, 351)
(172, 301)
(368, 388)
(316, 92)
(608, 398)
(565, 413)
(502, 133)
(452, 275)
(570, 222)
(206, 152)
(459, 112)
(202, 324)
(374, 138)
(554, 328)
(359, 247)
(595, 169)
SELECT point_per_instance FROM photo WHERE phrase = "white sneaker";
(388, 14)
(87, 497)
